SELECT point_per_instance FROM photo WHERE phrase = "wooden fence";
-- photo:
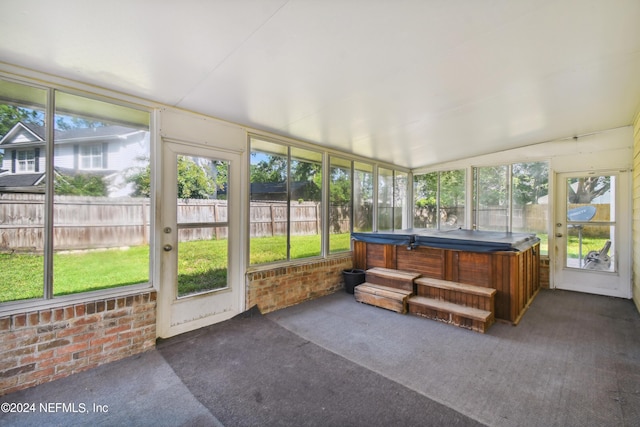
(103, 222)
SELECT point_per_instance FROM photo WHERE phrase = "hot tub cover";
(397, 237)
(456, 239)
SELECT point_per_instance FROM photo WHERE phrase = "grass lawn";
(202, 266)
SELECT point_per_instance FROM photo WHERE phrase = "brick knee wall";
(45, 345)
(280, 287)
(544, 272)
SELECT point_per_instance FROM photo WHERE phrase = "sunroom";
(207, 158)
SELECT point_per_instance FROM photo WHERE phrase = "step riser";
(382, 302)
(451, 318)
(390, 282)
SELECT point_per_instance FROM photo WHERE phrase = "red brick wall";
(544, 272)
(281, 287)
(42, 346)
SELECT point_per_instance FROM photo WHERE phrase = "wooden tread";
(393, 274)
(455, 286)
(449, 307)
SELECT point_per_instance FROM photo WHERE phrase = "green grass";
(202, 266)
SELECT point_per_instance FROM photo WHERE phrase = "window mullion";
(49, 195)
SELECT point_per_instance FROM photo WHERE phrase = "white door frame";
(178, 315)
(616, 284)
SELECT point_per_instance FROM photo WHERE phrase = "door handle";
(167, 248)
(558, 234)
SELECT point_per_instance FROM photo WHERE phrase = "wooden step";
(383, 296)
(446, 284)
(448, 312)
(458, 293)
(392, 278)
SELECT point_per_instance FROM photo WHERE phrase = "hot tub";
(507, 262)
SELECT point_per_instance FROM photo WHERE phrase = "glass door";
(201, 281)
(592, 236)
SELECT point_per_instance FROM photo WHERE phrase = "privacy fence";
(104, 222)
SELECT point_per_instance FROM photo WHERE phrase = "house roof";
(21, 179)
(28, 133)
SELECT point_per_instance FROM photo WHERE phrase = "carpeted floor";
(249, 371)
(574, 360)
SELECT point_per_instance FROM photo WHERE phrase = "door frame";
(178, 315)
(584, 280)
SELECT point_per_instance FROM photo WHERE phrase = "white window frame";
(26, 161)
(90, 157)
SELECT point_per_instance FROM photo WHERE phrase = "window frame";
(48, 300)
(95, 159)
(28, 164)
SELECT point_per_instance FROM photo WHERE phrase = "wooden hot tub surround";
(512, 270)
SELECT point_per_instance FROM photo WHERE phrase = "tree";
(80, 185)
(10, 115)
(530, 182)
(194, 181)
(585, 189)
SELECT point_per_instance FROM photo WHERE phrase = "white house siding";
(63, 156)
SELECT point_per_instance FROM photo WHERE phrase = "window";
(392, 193)
(492, 198)
(385, 199)
(400, 200)
(340, 206)
(285, 206)
(513, 198)
(439, 199)
(91, 156)
(74, 229)
(362, 197)
(26, 161)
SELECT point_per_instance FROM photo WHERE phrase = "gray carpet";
(251, 372)
(141, 390)
(574, 359)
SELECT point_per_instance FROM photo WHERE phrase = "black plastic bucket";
(352, 278)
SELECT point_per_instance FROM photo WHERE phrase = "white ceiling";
(409, 82)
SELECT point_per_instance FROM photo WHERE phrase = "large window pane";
(339, 205)
(268, 205)
(591, 223)
(286, 195)
(530, 200)
(101, 206)
(305, 210)
(362, 197)
(439, 199)
(452, 199)
(22, 212)
(425, 200)
(385, 199)
(202, 223)
(492, 198)
(400, 201)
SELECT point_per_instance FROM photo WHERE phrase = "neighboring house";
(106, 151)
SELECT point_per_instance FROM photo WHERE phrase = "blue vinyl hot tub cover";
(456, 239)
